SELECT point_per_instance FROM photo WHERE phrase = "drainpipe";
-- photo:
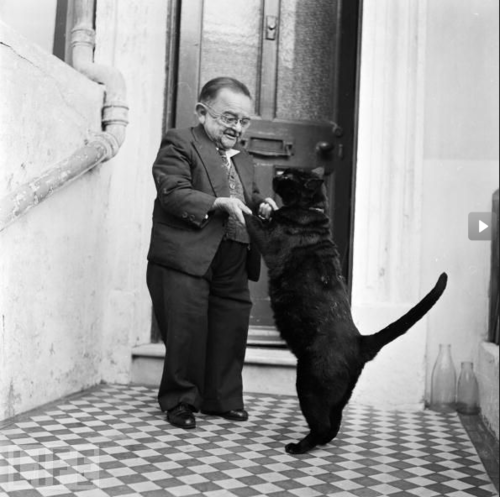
(115, 110)
(99, 148)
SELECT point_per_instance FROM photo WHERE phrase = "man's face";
(227, 104)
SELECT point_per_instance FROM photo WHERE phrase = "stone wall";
(51, 263)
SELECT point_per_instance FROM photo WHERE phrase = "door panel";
(230, 40)
(287, 53)
(307, 50)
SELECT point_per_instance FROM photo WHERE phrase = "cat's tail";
(372, 344)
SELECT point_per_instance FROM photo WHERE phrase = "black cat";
(311, 307)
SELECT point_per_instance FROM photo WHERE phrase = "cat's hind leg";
(318, 416)
(335, 422)
(322, 436)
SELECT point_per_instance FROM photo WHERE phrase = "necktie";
(234, 230)
(225, 160)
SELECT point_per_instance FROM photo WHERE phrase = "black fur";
(311, 307)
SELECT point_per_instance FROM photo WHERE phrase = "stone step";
(267, 369)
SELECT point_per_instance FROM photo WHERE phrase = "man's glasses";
(227, 118)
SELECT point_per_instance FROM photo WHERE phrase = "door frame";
(348, 115)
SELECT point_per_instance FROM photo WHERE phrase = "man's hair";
(211, 89)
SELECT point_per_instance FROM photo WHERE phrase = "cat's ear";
(319, 171)
(313, 183)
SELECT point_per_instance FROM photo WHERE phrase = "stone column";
(387, 223)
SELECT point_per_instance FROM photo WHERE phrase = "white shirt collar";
(232, 152)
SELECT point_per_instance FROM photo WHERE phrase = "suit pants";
(204, 325)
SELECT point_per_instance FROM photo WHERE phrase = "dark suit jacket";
(189, 175)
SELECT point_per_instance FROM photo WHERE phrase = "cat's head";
(301, 188)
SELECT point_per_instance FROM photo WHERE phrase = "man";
(200, 258)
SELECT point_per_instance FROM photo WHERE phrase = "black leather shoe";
(233, 415)
(181, 416)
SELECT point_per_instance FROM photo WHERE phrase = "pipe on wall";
(101, 146)
(115, 109)
(29, 195)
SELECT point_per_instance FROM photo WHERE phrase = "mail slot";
(268, 147)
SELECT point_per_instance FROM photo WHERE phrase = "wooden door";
(298, 58)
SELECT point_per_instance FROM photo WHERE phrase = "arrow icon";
(482, 226)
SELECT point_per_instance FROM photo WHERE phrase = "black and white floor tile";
(114, 441)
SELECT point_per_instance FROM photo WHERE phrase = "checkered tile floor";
(113, 441)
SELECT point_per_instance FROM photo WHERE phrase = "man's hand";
(233, 206)
(267, 207)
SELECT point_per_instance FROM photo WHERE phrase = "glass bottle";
(444, 382)
(467, 390)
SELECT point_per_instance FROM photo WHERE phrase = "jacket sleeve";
(175, 172)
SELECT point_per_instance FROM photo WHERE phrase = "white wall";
(51, 261)
(131, 36)
(461, 159)
(427, 156)
(33, 19)
(460, 162)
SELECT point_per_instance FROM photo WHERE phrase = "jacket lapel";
(211, 161)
